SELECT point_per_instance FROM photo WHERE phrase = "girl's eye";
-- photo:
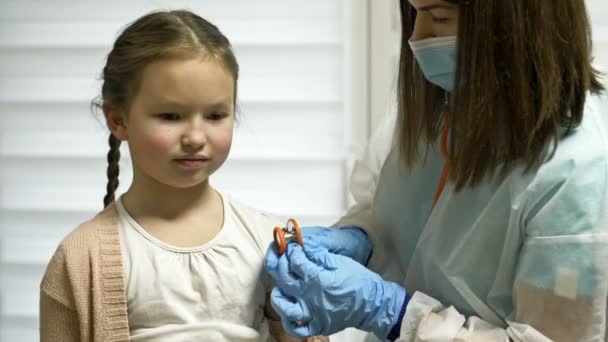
(216, 116)
(169, 116)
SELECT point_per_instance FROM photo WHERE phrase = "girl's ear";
(115, 120)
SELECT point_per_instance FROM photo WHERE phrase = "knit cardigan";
(82, 294)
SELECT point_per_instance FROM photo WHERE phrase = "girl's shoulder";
(259, 223)
(250, 213)
(103, 227)
(73, 256)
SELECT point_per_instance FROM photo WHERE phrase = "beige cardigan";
(82, 294)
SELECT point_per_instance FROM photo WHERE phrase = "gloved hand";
(347, 241)
(321, 293)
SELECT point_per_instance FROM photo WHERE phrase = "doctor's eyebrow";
(439, 4)
(435, 6)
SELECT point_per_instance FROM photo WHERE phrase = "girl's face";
(434, 18)
(180, 123)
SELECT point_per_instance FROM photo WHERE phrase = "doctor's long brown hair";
(523, 73)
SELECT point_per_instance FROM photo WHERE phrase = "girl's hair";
(523, 73)
(155, 36)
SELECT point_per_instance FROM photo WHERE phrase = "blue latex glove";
(330, 292)
(347, 241)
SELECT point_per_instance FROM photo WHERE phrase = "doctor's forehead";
(427, 5)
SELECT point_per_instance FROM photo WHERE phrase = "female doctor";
(482, 216)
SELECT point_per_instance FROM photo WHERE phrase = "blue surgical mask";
(437, 59)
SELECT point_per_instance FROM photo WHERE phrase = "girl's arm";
(58, 322)
(58, 317)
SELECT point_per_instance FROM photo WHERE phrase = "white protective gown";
(524, 258)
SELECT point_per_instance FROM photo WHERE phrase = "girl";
(172, 259)
(486, 213)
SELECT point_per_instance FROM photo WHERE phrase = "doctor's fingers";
(289, 308)
(271, 260)
(298, 329)
(323, 257)
(303, 267)
(287, 280)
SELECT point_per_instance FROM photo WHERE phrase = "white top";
(213, 292)
(522, 258)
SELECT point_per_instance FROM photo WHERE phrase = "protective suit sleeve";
(363, 183)
(364, 177)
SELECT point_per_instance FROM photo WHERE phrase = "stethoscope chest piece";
(284, 235)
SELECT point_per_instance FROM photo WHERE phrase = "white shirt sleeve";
(365, 174)
(428, 320)
(363, 184)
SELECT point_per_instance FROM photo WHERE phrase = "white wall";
(385, 34)
(302, 97)
(598, 12)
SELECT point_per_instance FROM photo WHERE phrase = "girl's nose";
(194, 135)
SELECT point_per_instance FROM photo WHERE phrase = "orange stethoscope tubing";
(446, 166)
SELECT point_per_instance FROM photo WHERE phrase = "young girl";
(172, 259)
